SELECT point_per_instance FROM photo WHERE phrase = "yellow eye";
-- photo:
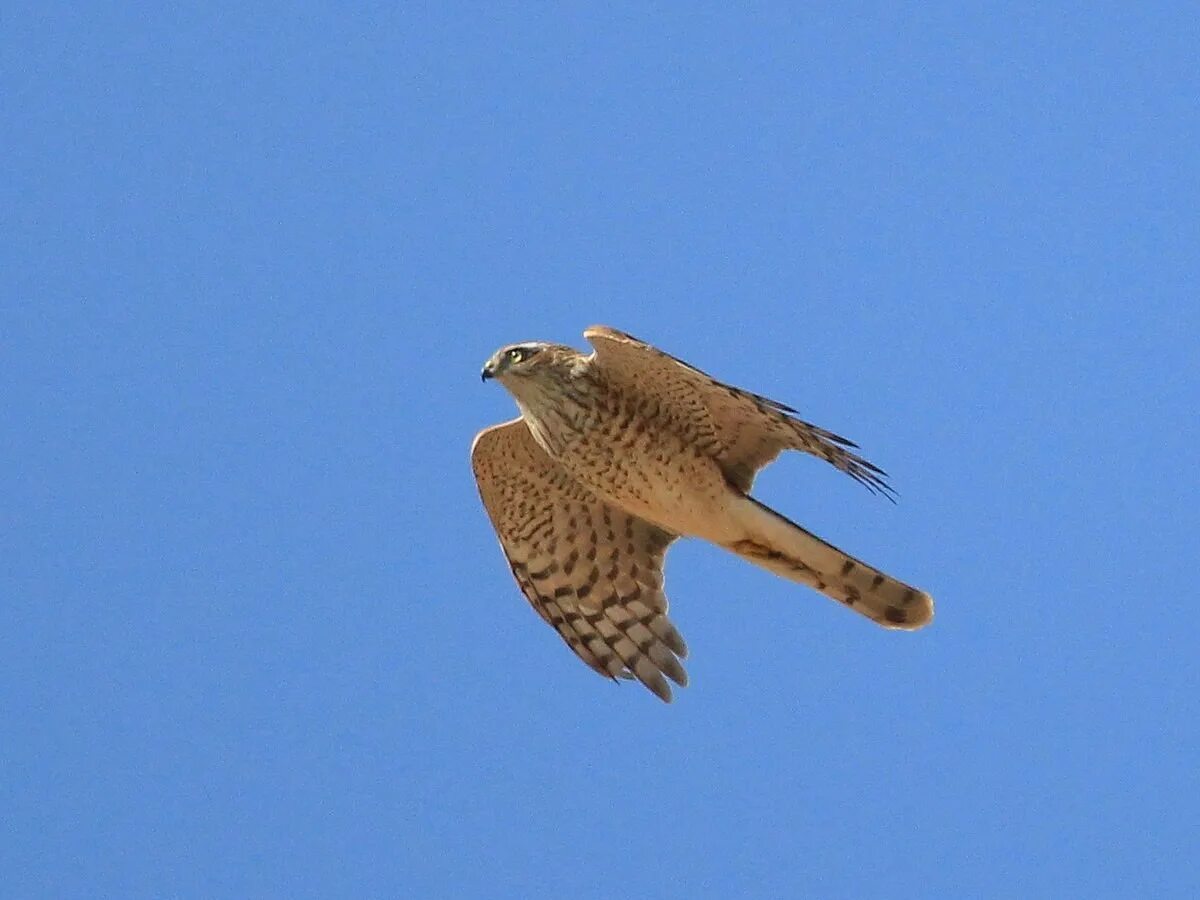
(516, 355)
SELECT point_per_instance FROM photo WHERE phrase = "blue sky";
(257, 638)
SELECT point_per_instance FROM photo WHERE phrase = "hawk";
(616, 454)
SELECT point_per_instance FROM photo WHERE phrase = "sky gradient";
(257, 638)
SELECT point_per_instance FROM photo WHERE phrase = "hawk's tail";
(783, 547)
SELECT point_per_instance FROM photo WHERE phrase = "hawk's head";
(531, 359)
(548, 381)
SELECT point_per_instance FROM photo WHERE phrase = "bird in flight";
(617, 453)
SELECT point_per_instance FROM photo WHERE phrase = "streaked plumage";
(619, 452)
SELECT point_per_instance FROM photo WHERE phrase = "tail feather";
(781, 546)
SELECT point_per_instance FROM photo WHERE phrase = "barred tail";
(783, 547)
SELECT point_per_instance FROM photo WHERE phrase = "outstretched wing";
(591, 571)
(745, 430)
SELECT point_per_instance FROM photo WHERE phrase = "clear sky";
(257, 638)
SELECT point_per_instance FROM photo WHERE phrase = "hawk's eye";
(516, 354)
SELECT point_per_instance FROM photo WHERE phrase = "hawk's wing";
(745, 430)
(590, 570)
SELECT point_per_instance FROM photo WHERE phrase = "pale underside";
(590, 561)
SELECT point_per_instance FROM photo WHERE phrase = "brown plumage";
(619, 452)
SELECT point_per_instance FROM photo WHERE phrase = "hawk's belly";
(662, 479)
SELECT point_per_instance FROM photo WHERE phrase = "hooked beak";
(489, 371)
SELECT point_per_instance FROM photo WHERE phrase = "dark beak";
(489, 371)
